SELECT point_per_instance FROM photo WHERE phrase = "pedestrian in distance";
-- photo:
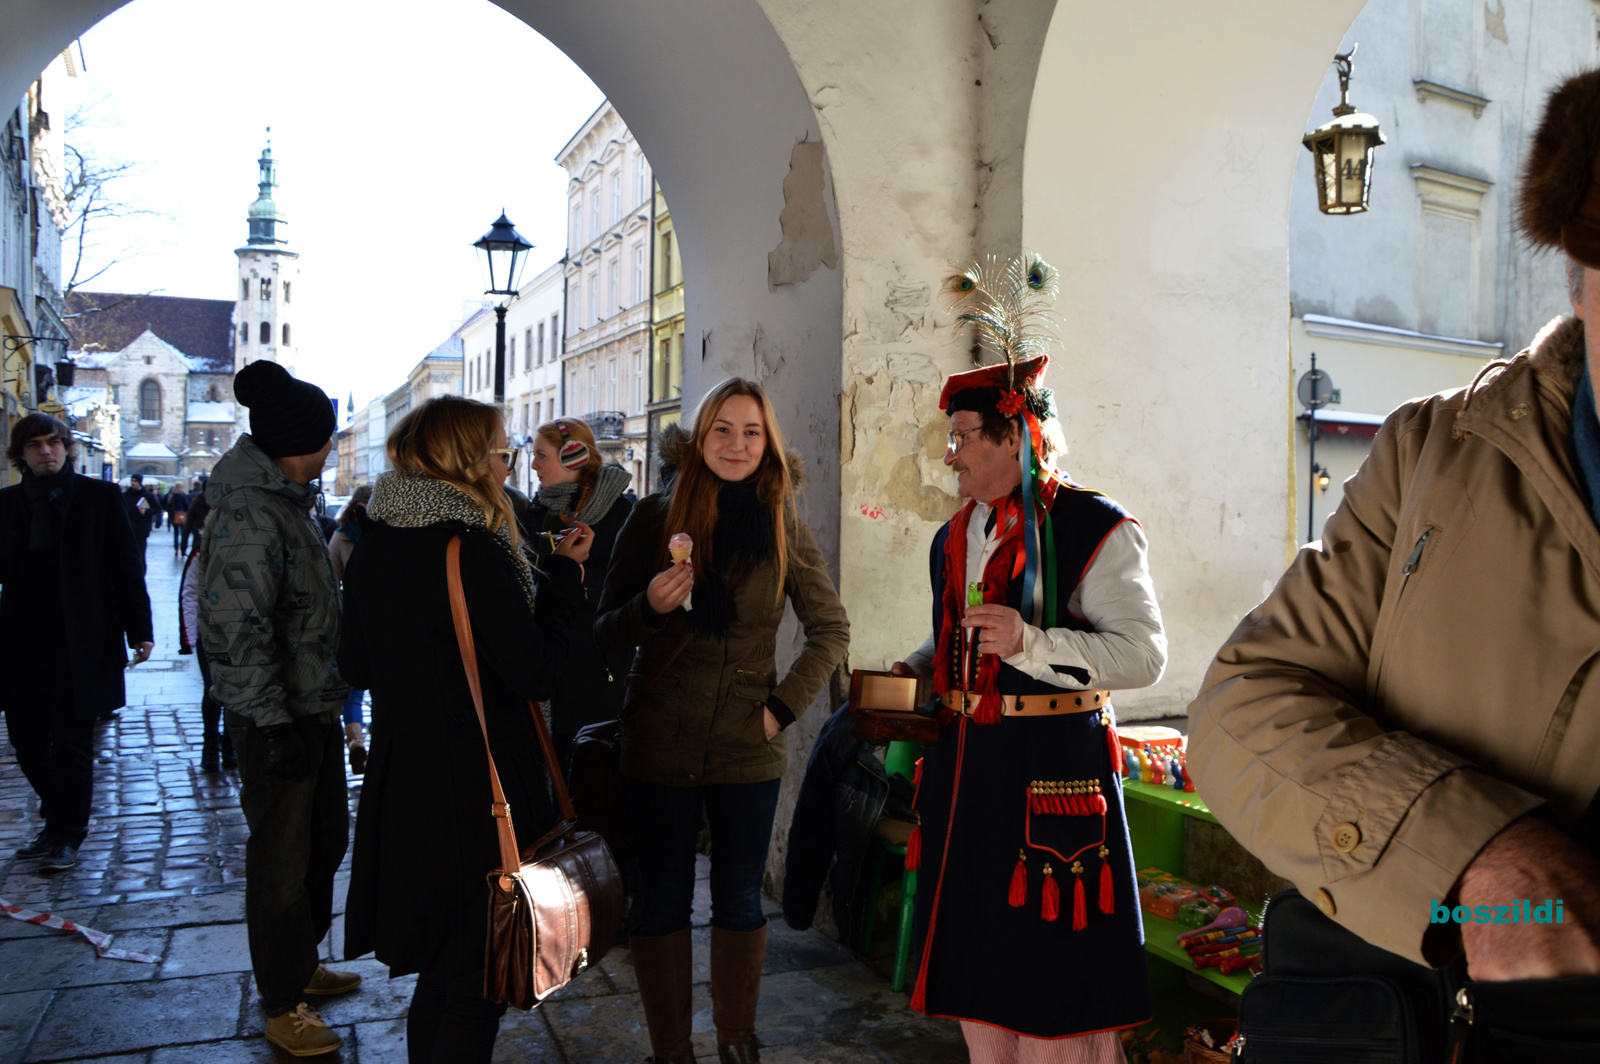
(216, 746)
(269, 622)
(351, 520)
(707, 709)
(425, 841)
(574, 483)
(73, 596)
(141, 511)
(176, 507)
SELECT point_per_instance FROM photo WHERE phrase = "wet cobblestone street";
(163, 871)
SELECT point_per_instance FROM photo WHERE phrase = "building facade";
(533, 362)
(268, 271)
(1416, 295)
(665, 403)
(610, 198)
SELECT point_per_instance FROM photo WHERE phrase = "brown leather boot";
(665, 969)
(736, 960)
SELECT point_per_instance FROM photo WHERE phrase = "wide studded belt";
(1032, 705)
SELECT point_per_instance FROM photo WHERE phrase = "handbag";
(180, 518)
(556, 910)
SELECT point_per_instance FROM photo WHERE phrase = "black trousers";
(450, 1022)
(56, 753)
(299, 831)
(212, 730)
(180, 536)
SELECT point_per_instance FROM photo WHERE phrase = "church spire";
(264, 217)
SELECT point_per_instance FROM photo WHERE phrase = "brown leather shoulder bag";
(556, 909)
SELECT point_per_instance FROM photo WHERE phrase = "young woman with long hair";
(424, 839)
(574, 482)
(706, 707)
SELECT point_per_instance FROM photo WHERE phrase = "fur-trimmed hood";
(674, 441)
(1556, 354)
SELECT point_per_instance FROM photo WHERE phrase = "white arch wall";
(1161, 151)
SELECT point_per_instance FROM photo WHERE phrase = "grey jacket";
(269, 605)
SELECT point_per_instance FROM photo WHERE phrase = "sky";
(397, 146)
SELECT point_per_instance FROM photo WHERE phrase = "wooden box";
(884, 707)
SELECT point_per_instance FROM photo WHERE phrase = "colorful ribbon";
(99, 939)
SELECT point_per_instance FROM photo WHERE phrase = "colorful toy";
(1230, 917)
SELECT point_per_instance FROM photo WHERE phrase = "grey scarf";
(414, 500)
(560, 498)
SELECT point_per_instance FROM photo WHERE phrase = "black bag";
(1327, 996)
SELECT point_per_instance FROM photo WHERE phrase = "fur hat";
(1559, 202)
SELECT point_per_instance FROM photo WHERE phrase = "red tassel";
(1080, 910)
(916, 774)
(991, 709)
(914, 849)
(1108, 901)
(919, 1000)
(1099, 805)
(1052, 896)
(1018, 896)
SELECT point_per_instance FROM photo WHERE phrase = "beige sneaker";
(302, 1033)
(325, 983)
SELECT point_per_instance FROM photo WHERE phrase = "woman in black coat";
(573, 483)
(424, 838)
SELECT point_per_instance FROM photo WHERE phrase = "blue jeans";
(664, 822)
(354, 711)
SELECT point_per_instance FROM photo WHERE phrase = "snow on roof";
(212, 413)
(151, 450)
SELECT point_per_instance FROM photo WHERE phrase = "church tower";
(263, 317)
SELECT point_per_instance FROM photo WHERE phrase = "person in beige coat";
(1413, 715)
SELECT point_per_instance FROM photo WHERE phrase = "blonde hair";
(693, 506)
(449, 438)
(589, 475)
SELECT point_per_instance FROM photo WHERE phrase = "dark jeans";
(180, 537)
(299, 830)
(450, 1021)
(212, 730)
(56, 753)
(664, 823)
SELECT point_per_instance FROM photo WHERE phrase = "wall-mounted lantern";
(1342, 150)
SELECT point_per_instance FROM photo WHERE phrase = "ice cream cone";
(681, 554)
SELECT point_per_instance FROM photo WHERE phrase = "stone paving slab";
(163, 870)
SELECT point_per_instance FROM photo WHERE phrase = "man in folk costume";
(1027, 910)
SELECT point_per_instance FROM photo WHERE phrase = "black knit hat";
(288, 417)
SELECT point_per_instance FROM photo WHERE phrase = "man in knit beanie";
(269, 620)
(1406, 726)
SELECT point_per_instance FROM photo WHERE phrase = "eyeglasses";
(507, 453)
(957, 440)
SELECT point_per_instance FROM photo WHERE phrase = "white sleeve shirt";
(1127, 646)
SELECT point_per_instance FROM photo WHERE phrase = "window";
(593, 395)
(555, 348)
(511, 357)
(594, 298)
(616, 197)
(266, 332)
(541, 343)
(574, 299)
(527, 347)
(286, 334)
(214, 394)
(244, 289)
(666, 369)
(1451, 217)
(536, 407)
(638, 273)
(614, 276)
(286, 295)
(666, 261)
(266, 289)
(594, 216)
(244, 332)
(638, 380)
(611, 388)
(149, 401)
(577, 224)
(642, 178)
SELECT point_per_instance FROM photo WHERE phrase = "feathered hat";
(1559, 202)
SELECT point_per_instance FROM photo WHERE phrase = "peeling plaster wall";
(1168, 215)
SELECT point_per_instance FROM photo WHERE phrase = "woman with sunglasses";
(424, 837)
(575, 484)
(707, 706)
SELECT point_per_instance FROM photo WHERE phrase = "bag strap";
(510, 856)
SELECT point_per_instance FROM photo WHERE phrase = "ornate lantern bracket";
(1343, 150)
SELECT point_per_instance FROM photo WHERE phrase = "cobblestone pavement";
(163, 870)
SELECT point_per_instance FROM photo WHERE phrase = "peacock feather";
(1008, 304)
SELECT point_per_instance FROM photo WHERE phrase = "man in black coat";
(141, 513)
(177, 502)
(73, 587)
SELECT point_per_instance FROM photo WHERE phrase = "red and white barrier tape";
(99, 939)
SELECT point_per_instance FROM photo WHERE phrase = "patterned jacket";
(269, 606)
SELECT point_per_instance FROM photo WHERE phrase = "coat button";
(1346, 837)
(1519, 411)
(1324, 902)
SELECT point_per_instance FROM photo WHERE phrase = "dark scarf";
(49, 497)
(742, 541)
(1586, 440)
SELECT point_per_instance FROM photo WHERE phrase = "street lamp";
(503, 253)
(1343, 150)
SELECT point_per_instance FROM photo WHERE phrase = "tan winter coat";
(1424, 675)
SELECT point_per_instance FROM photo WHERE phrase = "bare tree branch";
(93, 203)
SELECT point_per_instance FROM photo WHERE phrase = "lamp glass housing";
(502, 253)
(1343, 153)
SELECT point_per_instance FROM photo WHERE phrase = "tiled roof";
(200, 328)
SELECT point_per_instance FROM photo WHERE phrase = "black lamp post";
(503, 253)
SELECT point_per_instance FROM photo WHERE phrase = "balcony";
(606, 424)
